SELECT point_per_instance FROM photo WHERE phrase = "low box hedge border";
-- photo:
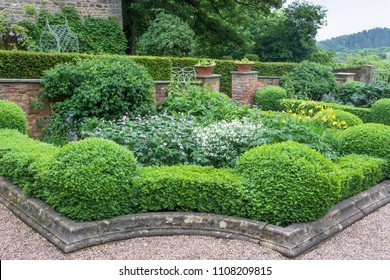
(290, 241)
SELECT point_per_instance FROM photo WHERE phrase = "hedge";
(359, 172)
(32, 65)
(18, 154)
(190, 188)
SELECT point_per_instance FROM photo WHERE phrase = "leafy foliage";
(12, 116)
(204, 104)
(309, 80)
(290, 35)
(89, 180)
(289, 182)
(363, 95)
(102, 36)
(380, 111)
(338, 119)
(103, 88)
(168, 35)
(95, 35)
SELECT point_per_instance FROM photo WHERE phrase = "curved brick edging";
(290, 241)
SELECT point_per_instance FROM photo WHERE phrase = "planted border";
(290, 241)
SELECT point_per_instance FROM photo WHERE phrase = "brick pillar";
(245, 85)
(210, 81)
(367, 74)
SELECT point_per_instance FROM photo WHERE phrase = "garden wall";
(95, 8)
(365, 73)
(25, 92)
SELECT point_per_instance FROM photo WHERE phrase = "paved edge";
(291, 241)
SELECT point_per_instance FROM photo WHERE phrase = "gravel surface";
(367, 239)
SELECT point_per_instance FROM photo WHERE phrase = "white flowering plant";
(221, 143)
(154, 140)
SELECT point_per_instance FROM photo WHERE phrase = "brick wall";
(25, 93)
(245, 85)
(365, 73)
(96, 8)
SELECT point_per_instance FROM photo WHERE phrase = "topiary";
(380, 111)
(90, 180)
(367, 139)
(269, 97)
(309, 80)
(12, 116)
(289, 182)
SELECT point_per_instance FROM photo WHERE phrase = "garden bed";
(295, 239)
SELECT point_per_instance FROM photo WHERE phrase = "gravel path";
(367, 239)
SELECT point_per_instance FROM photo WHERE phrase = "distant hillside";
(373, 38)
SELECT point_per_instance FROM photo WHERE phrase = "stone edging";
(290, 241)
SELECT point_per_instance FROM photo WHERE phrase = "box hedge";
(289, 182)
(359, 172)
(18, 154)
(370, 139)
(190, 188)
(380, 111)
(89, 180)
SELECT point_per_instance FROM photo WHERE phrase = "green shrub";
(202, 103)
(252, 57)
(359, 172)
(341, 118)
(268, 97)
(309, 80)
(106, 88)
(167, 35)
(367, 139)
(191, 188)
(350, 90)
(90, 180)
(289, 182)
(12, 116)
(380, 111)
(17, 155)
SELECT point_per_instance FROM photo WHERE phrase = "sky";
(351, 16)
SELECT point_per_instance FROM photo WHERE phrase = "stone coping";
(20, 81)
(290, 241)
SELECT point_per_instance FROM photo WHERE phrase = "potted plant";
(204, 67)
(244, 65)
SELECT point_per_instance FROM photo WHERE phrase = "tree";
(215, 22)
(168, 35)
(289, 35)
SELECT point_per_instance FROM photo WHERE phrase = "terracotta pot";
(204, 70)
(244, 67)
